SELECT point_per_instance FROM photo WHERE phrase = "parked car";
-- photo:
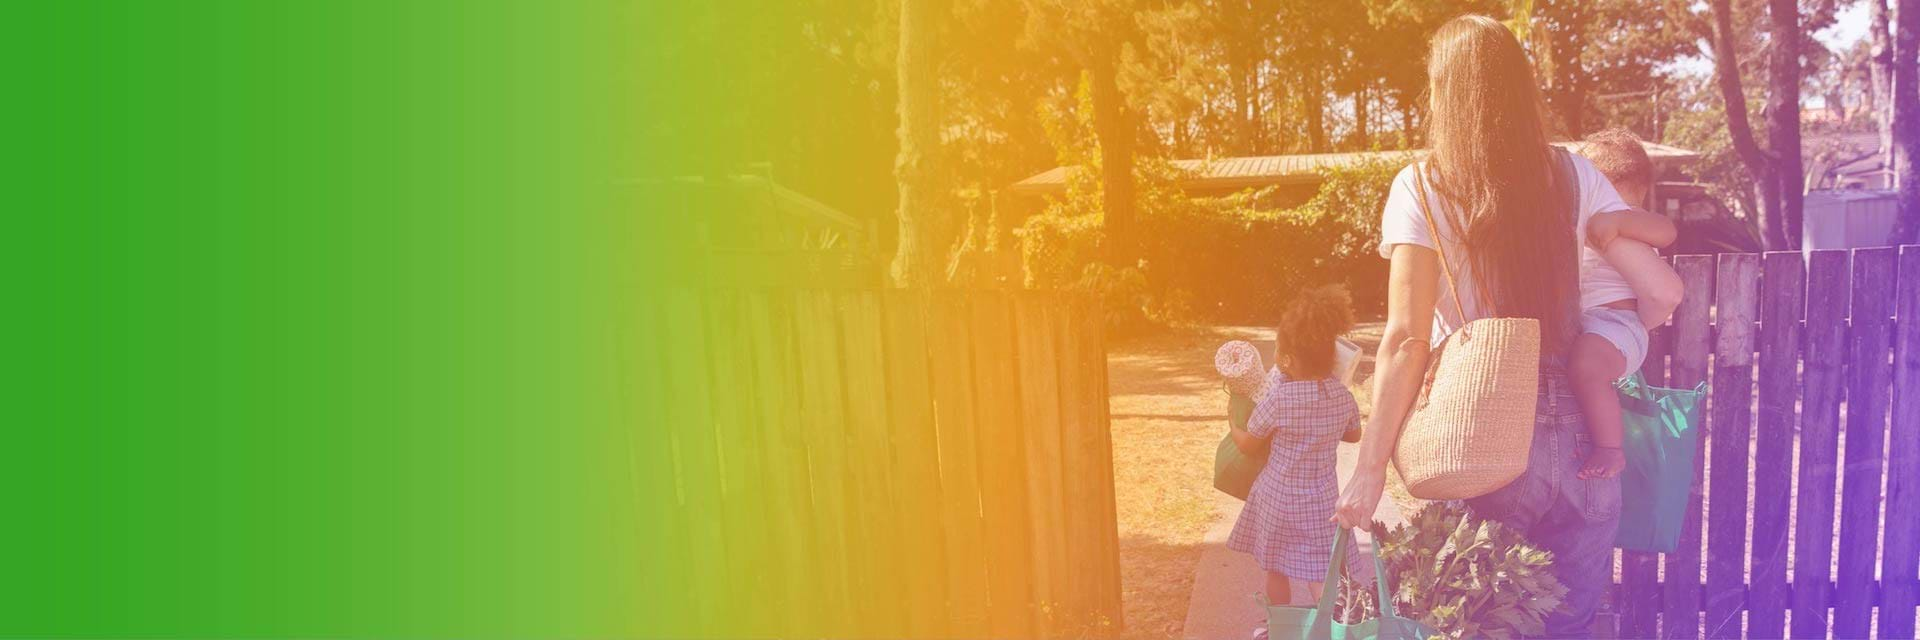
(1706, 225)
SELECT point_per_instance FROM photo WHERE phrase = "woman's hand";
(1361, 497)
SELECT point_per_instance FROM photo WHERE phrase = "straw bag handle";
(1433, 230)
(1420, 202)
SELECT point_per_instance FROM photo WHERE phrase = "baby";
(1625, 289)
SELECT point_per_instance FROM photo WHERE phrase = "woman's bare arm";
(1400, 367)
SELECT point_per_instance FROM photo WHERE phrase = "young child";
(1286, 522)
(1626, 289)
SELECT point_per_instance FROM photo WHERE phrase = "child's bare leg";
(1313, 591)
(1595, 365)
(1279, 589)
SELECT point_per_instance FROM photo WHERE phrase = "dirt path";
(1168, 416)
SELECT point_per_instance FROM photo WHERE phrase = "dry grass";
(1168, 415)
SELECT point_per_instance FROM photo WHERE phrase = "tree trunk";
(1904, 68)
(1726, 71)
(926, 227)
(1766, 193)
(1570, 96)
(1574, 118)
(1314, 104)
(1360, 138)
(1243, 109)
(1111, 126)
(1879, 65)
(1783, 116)
(1407, 138)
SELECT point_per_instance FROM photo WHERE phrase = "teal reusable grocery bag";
(1233, 471)
(1317, 623)
(1661, 439)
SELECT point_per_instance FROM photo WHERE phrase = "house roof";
(1843, 153)
(1231, 174)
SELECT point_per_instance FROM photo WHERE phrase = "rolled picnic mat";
(1240, 364)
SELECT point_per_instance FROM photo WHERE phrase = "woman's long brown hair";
(1491, 159)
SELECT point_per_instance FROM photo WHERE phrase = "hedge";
(1215, 260)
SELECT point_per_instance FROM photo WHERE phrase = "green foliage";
(1467, 577)
(1349, 202)
(1226, 259)
(1704, 130)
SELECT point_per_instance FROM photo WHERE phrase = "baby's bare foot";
(1603, 463)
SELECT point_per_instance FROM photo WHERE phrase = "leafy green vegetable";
(1465, 576)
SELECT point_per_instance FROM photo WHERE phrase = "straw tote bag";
(1472, 425)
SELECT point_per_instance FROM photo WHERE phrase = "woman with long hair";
(1499, 195)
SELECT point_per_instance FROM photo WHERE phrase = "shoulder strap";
(1433, 230)
(1572, 174)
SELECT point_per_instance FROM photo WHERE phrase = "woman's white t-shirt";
(1402, 223)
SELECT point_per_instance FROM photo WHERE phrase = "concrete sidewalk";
(1223, 604)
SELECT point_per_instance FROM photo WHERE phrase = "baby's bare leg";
(1595, 365)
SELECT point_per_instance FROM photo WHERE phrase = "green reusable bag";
(1233, 471)
(1317, 623)
(1660, 441)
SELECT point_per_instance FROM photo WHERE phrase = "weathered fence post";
(960, 483)
(916, 462)
(823, 419)
(1782, 304)
(1640, 570)
(1819, 440)
(1735, 302)
(1692, 339)
(784, 438)
(1046, 491)
(1899, 591)
(1867, 388)
(1003, 472)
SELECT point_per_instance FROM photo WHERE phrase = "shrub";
(1464, 576)
(1221, 259)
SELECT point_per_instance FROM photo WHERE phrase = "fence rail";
(884, 463)
(1814, 402)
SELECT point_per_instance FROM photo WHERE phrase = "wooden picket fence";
(1813, 363)
(866, 463)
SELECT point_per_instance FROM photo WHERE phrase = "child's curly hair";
(1303, 343)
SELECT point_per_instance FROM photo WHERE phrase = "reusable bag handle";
(1330, 588)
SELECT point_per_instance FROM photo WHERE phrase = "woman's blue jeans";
(1549, 504)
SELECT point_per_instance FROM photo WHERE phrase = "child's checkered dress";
(1285, 522)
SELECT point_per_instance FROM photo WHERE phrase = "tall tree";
(1113, 124)
(1096, 34)
(1905, 71)
(1313, 36)
(1773, 172)
(1783, 114)
(1880, 70)
(926, 226)
(1589, 48)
